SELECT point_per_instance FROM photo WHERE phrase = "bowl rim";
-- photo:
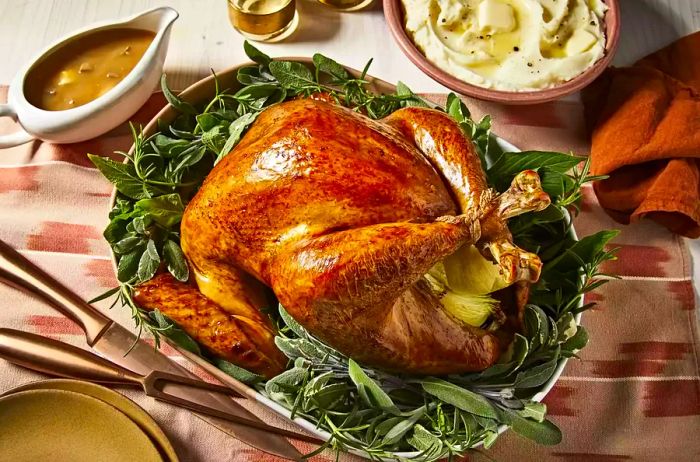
(168, 113)
(393, 14)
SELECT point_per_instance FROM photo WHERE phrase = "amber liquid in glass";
(263, 20)
(347, 5)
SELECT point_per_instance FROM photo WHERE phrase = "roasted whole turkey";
(342, 216)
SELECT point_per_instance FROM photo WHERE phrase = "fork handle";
(52, 357)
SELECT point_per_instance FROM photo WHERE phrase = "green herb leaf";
(165, 210)
(124, 178)
(175, 333)
(129, 264)
(292, 75)
(459, 397)
(175, 259)
(544, 432)
(290, 322)
(577, 342)
(402, 426)
(535, 411)
(426, 442)
(330, 67)
(149, 262)
(376, 396)
(502, 172)
(237, 372)
(410, 98)
(104, 295)
(177, 103)
(255, 55)
(537, 375)
(235, 131)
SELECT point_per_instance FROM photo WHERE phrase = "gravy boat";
(103, 113)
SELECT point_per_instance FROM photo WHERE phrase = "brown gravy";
(85, 68)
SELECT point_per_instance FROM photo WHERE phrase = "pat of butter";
(66, 77)
(580, 41)
(495, 16)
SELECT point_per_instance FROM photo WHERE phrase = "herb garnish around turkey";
(363, 409)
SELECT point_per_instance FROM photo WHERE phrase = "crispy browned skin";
(342, 216)
(233, 338)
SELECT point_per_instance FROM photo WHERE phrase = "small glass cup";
(347, 5)
(264, 20)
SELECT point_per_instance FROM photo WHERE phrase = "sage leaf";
(329, 397)
(383, 427)
(457, 109)
(127, 244)
(149, 262)
(544, 432)
(376, 396)
(165, 210)
(292, 75)
(566, 327)
(175, 259)
(213, 139)
(124, 178)
(115, 231)
(536, 375)
(402, 426)
(534, 410)
(287, 381)
(169, 147)
(580, 251)
(252, 76)
(490, 438)
(235, 131)
(174, 332)
(577, 342)
(238, 373)
(255, 55)
(512, 163)
(290, 322)
(330, 67)
(207, 121)
(176, 102)
(424, 441)
(129, 264)
(459, 397)
(410, 98)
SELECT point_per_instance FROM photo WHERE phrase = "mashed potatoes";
(509, 45)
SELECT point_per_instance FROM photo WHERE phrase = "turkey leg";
(453, 155)
(337, 277)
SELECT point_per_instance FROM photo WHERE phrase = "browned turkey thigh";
(342, 216)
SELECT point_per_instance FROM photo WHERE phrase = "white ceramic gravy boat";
(103, 113)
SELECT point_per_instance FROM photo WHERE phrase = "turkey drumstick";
(453, 155)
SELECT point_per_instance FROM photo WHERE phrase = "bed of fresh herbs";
(362, 408)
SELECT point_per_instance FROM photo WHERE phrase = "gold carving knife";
(114, 341)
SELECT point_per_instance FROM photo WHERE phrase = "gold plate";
(119, 401)
(61, 425)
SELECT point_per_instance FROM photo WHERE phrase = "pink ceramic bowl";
(394, 14)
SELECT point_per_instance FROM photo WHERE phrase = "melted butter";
(508, 44)
(85, 68)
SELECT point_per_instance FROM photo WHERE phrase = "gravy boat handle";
(16, 138)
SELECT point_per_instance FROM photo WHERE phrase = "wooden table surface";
(203, 39)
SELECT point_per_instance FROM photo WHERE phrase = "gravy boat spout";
(104, 112)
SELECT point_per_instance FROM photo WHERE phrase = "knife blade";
(114, 341)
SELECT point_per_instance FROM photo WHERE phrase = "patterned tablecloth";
(635, 395)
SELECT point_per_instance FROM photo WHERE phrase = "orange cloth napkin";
(645, 124)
